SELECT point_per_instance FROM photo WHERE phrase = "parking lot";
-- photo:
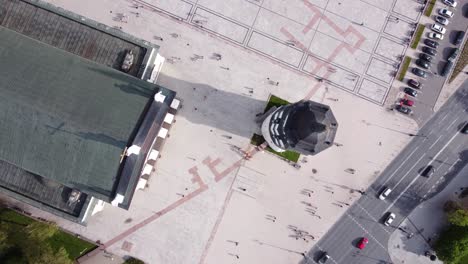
(433, 83)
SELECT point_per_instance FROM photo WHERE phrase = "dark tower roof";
(306, 127)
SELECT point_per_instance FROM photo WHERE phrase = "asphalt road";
(438, 143)
(433, 84)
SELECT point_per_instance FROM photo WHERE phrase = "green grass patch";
(404, 68)
(461, 63)
(429, 8)
(275, 101)
(417, 36)
(16, 223)
(293, 156)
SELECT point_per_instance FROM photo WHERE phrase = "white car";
(445, 13)
(389, 219)
(433, 35)
(385, 193)
(451, 3)
(438, 28)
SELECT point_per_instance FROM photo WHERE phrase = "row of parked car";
(425, 58)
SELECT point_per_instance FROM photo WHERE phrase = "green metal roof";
(63, 117)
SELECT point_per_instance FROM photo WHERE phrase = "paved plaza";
(205, 203)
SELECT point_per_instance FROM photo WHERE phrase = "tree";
(458, 217)
(452, 243)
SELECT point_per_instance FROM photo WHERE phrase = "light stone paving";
(183, 222)
(390, 49)
(408, 9)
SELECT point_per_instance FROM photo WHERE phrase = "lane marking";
(365, 230)
(435, 142)
(452, 123)
(443, 118)
(373, 218)
(417, 175)
(406, 174)
(402, 163)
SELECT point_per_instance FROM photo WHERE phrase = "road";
(438, 143)
(433, 84)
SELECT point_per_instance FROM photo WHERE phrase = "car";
(429, 51)
(324, 257)
(453, 55)
(431, 43)
(384, 194)
(410, 91)
(423, 64)
(428, 171)
(445, 13)
(433, 35)
(425, 57)
(419, 72)
(438, 28)
(403, 109)
(464, 130)
(451, 3)
(447, 68)
(441, 20)
(459, 38)
(415, 84)
(362, 243)
(407, 102)
(388, 221)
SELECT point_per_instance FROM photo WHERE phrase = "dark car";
(423, 64)
(459, 38)
(419, 72)
(324, 257)
(429, 51)
(415, 84)
(464, 130)
(403, 109)
(428, 171)
(447, 68)
(431, 43)
(410, 91)
(425, 57)
(453, 55)
(441, 20)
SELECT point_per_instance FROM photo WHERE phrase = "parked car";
(384, 194)
(431, 43)
(324, 257)
(441, 20)
(428, 171)
(459, 38)
(415, 84)
(362, 243)
(423, 64)
(410, 91)
(464, 130)
(438, 28)
(445, 13)
(403, 109)
(453, 55)
(451, 3)
(425, 57)
(433, 35)
(429, 51)
(447, 68)
(407, 102)
(388, 221)
(419, 72)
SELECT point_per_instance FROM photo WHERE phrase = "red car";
(362, 243)
(406, 102)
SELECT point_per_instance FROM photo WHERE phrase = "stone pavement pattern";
(204, 196)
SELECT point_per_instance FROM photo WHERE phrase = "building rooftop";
(63, 117)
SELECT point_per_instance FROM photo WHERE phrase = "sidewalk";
(102, 257)
(411, 251)
(450, 88)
